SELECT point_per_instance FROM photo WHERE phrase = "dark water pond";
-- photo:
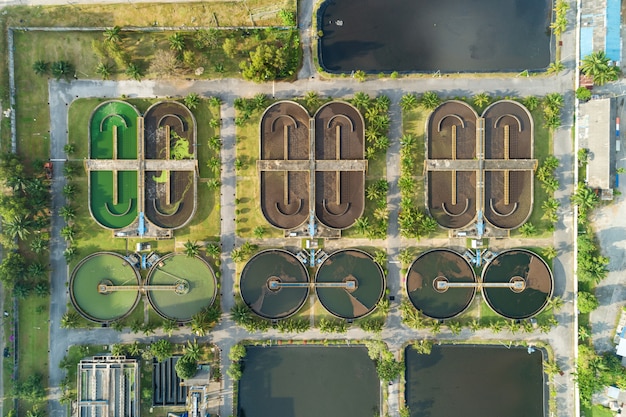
(307, 381)
(475, 381)
(427, 35)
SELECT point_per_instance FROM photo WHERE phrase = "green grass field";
(33, 340)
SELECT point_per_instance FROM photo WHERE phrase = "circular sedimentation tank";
(265, 269)
(360, 280)
(186, 286)
(440, 265)
(104, 268)
(518, 265)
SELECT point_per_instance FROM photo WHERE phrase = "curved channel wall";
(255, 278)
(201, 286)
(356, 265)
(420, 284)
(103, 267)
(539, 284)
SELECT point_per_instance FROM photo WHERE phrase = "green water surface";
(125, 211)
(124, 117)
(84, 286)
(201, 282)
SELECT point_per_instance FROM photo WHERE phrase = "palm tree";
(382, 103)
(41, 67)
(311, 99)
(192, 100)
(17, 226)
(260, 101)
(193, 350)
(362, 225)
(555, 67)
(113, 35)
(69, 320)
(240, 313)
(61, 69)
(360, 75)
(38, 244)
(68, 233)
(555, 303)
(69, 190)
(496, 326)
(455, 327)
(551, 204)
(134, 349)
(70, 253)
(381, 214)
(213, 250)
(104, 70)
(177, 42)
(215, 101)
(549, 252)
(408, 102)
(554, 101)
(531, 102)
(258, 232)
(528, 229)
(168, 327)
(360, 100)
(583, 333)
(215, 143)
(405, 256)
(435, 326)
(430, 100)
(551, 367)
(597, 66)
(481, 100)
(214, 164)
(213, 184)
(380, 257)
(200, 324)
(585, 198)
(134, 71)
(136, 326)
(408, 140)
(68, 213)
(474, 325)
(192, 249)
(37, 270)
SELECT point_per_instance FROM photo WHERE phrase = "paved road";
(225, 334)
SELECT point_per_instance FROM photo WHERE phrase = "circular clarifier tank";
(518, 266)
(426, 276)
(349, 283)
(104, 268)
(261, 284)
(182, 286)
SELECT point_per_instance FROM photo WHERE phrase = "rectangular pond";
(475, 381)
(427, 36)
(308, 381)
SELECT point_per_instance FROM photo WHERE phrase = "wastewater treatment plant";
(351, 239)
